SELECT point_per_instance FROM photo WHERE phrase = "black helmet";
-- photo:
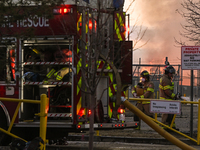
(169, 69)
(144, 73)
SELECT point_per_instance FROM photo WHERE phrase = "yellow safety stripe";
(111, 76)
(79, 84)
(109, 111)
(166, 87)
(58, 77)
(79, 66)
(161, 87)
(79, 105)
(36, 51)
(145, 102)
(79, 20)
(165, 98)
(133, 91)
(172, 95)
(150, 89)
(86, 28)
(110, 92)
(146, 73)
(109, 89)
(118, 31)
(50, 73)
(142, 96)
(120, 19)
(99, 62)
(113, 104)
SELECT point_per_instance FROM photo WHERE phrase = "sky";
(163, 24)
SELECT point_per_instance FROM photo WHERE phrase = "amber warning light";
(62, 10)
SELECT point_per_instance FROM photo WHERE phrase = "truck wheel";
(5, 139)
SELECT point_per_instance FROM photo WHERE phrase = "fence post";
(43, 118)
(198, 127)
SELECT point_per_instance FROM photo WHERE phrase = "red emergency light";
(120, 111)
(62, 10)
(91, 25)
(81, 112)
(89, 112)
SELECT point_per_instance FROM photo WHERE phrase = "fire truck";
(50, 61)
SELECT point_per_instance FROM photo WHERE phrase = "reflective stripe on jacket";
(148, 91)
(166, 88)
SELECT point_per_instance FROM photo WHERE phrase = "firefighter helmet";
(169, 69)
(144, 73)
(64, 55)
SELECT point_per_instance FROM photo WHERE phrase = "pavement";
(130, 138)
(78, 145)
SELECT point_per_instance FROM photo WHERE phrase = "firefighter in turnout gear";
(166, 88)
(144, 89)
(57, 75)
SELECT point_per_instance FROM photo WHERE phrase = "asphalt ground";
(145, 138)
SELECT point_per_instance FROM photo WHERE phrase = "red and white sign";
(190, 57)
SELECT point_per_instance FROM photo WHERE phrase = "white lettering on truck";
(32, 21)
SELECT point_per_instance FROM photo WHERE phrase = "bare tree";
(191, 14)
(95, 45)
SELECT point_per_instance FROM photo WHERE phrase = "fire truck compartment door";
(10, 90)
(103, 88)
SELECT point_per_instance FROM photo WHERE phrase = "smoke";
(163, 25)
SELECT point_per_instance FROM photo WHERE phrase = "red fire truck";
(49, 62)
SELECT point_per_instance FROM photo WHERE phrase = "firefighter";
(144, 89)
(166, 88)
(58, 76)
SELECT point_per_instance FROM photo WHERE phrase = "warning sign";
(190, 57)
(165, 106)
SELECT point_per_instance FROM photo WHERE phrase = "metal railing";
(44, 102)
(170, 126)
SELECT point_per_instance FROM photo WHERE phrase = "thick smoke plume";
(163, 23)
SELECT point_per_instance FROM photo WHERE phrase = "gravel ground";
(74, 145)
(182, 123)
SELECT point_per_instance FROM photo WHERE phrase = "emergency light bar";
(62, 11)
